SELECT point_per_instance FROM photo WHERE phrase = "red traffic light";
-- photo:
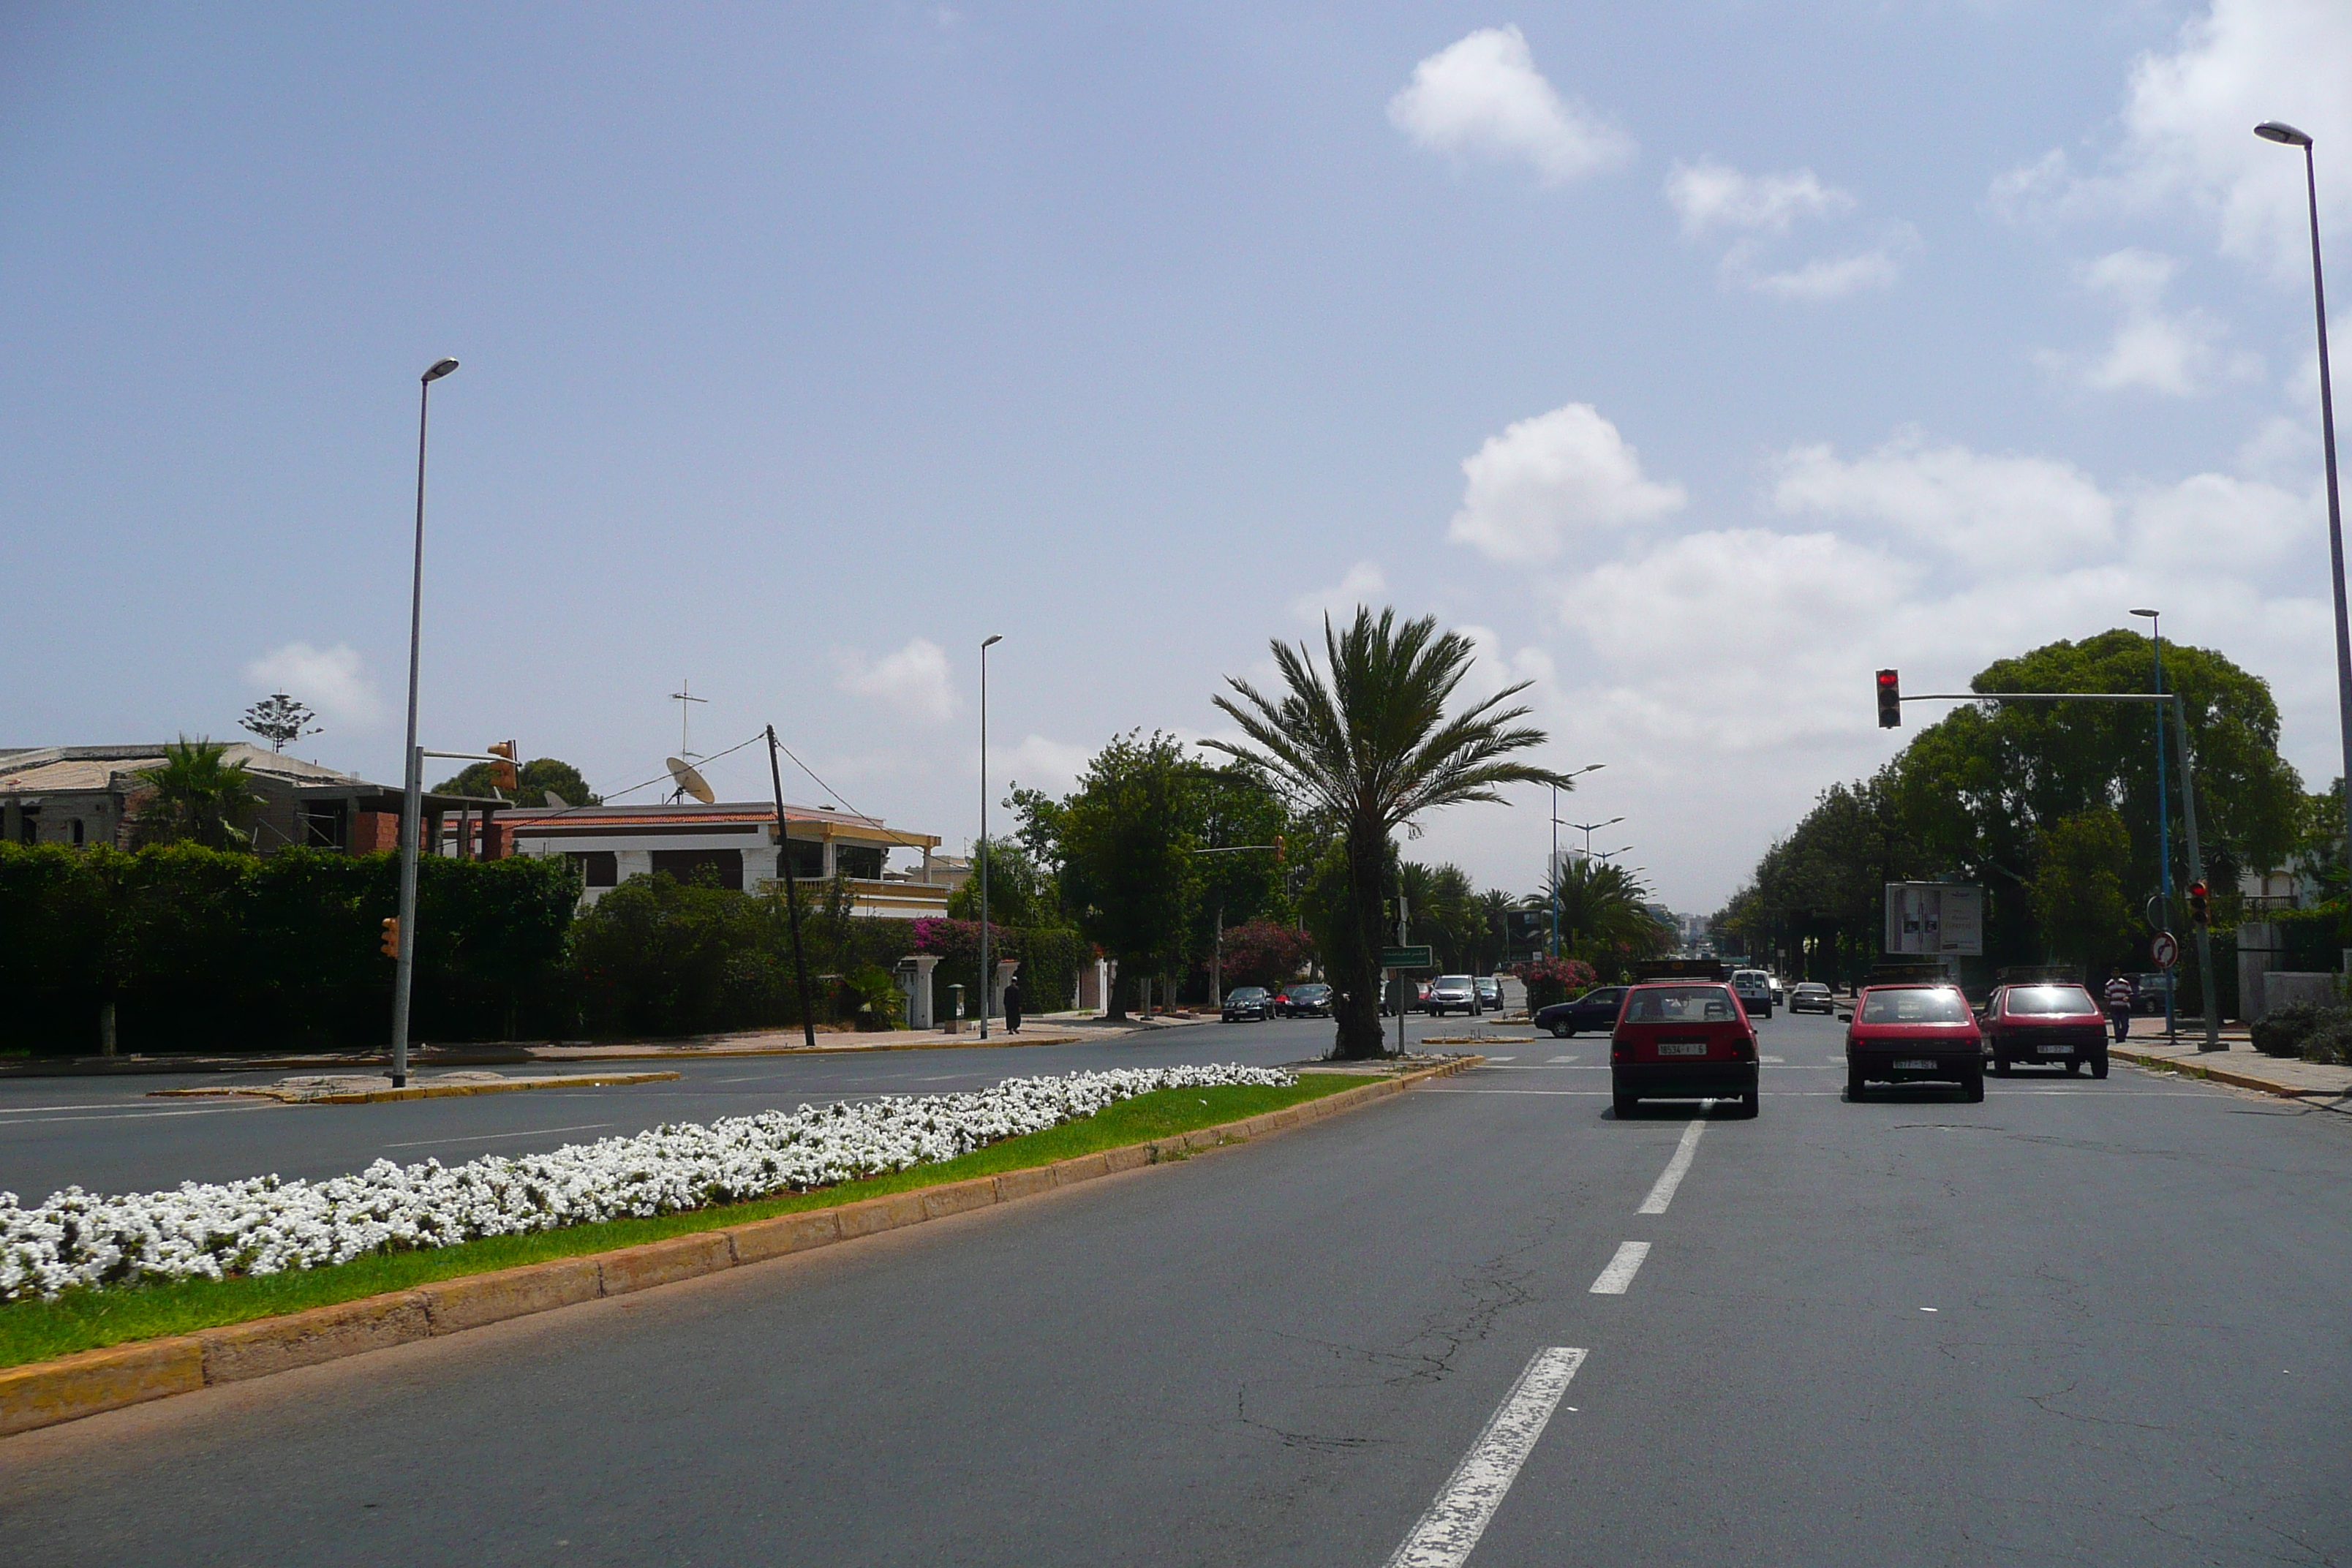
(1890, 699)
(2201, 910)
(503, 774)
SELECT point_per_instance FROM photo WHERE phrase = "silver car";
(1452, 993)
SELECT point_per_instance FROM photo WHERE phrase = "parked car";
(1249, 1002)
(1812, 996)
(1682, 1039)
(1310, 999)
(1490, 993)
(1596, 1009)
(1754, 988)
(1452, 993)
(1910, 1034)
(2046, 1023)
(2149, 997)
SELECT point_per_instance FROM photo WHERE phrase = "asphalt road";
(2084, 1321)
(112, 1135)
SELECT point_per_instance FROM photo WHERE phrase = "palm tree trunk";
(1357, 968)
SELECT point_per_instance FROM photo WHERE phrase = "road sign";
(1408, 958)
(2165, 950)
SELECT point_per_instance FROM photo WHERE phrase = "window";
(324, 824)
(2051, 999)
(807, 858)
(77, 832)
(1681, 1004)
(727, 865)
(29, 829)
(598, 868)
(1926, 1006)
(859, 860)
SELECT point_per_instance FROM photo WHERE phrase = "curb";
(2319, 1097)
(46, 1393)
(420, 1091)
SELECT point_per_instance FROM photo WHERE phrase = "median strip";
(447, 1297)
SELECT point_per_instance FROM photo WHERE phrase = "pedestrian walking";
(1012, 1006)
(2120, 993)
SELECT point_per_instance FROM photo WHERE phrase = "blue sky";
(1703, 358)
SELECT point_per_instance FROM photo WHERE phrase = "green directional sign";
(1408, 958)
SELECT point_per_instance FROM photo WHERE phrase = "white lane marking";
(489, 1137)
(1773, 1061)
(1554, 1061)
(1621, 1268)
(1663, 1193)
(1443, 1536)
(123, 1115)
(1502, 1058)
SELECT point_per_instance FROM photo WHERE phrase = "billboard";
(1934, 920)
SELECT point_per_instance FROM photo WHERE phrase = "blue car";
(1595, 1010)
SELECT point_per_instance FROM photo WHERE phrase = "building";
(91, 794)
(737, 843)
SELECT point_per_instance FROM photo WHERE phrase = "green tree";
(2077, 890)
(1601, 916)
(195, 797)
(1366, 744)
(533, 782)
(1124, 839)
(1444, 912)
(1020, 892)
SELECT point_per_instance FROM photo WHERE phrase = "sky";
(1695, 360)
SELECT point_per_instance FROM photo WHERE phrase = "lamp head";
(2148, 615)
(991, 642)
(440, 368)
(2280, 132)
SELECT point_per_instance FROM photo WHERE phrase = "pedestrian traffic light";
(392, 936)
(503, 774)
(1890, 699)
(2201, 910)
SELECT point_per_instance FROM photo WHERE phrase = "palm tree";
(1600, 912)
(198, 798)
(1370, 748)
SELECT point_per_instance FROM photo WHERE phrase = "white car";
(1779, 994)
(1755, 989)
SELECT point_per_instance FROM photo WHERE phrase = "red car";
(1683, 1039)
(2048, 1023)
(1913, 1033)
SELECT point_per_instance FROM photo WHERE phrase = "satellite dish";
(690, 782)
(556, 800)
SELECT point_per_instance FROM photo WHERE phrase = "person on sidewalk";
(2120, 993)
(1012, 1006)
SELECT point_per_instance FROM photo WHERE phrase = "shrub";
(2285, 1031)
(1550, 980)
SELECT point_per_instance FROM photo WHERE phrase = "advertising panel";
(1934, 920)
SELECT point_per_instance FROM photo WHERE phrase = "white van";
(1755, 989)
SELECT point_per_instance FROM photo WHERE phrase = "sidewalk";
(2239, 1064)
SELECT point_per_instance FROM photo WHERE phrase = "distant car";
(1490, 993)
(2051, 1025)
(1755, 991)
(1906, 1034)
(1452, 993)
(1250, 1002)
(1684, 1039)
(1596, 1009)
(2149, 997)
(1780, 994)
(1812, 996)
(1311, 999)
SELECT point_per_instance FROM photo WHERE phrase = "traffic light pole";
(2188, 801)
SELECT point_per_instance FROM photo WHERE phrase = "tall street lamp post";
(2163, 812)
(412, 805)
(987, 980)
(1551, 872)
(2287, 135)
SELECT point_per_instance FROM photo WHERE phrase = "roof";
(622, 819)
(59, 769)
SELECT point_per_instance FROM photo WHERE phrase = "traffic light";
(1890, 699)
(503, 774)
(392, 936)
(2200, 910)
(1278, 849)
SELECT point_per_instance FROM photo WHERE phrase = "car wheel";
(1561, 1031)
(2099, 1065)
(1752, 1101)
(2074, 1066)
(1853, 1083)
(1999, 1065)
(1623, 1104)
(1972, 1087)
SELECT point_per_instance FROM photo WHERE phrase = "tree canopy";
(534, 780)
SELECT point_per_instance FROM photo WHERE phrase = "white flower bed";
(263, 1226)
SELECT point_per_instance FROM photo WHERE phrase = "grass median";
(86, 1320)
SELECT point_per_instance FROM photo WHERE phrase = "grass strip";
(86, 1320)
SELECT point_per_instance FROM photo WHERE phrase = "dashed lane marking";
(1555, 1061)
(1663, 1193)
(1615, 1278)
(1443, 1536)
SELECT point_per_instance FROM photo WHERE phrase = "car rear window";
(1915, 1007)
(1461, 981)
(2051, 999)
(1680, 1005)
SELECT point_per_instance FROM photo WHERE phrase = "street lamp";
(1551, 872)
(2163, 814)
(1588, 828)
(2288, 136)
(987, 986)
(412, 804)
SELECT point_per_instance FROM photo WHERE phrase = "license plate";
(1914, 1067)
(1681, 1047)
(2055, 1050)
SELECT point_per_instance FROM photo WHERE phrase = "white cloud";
(2188, 138)
(1543, 482)
(1708, 195)
(914, 679)
(2177, 353)
(1039, 763)
(1365, 583)
(1826, 278)
(332, 681)
(1483, 96)
(2025, 511)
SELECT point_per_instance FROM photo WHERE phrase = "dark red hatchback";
(1683, 1039)
(1912, 1034)
(2048, 1024)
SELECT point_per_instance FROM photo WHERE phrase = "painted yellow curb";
(45, 1393)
